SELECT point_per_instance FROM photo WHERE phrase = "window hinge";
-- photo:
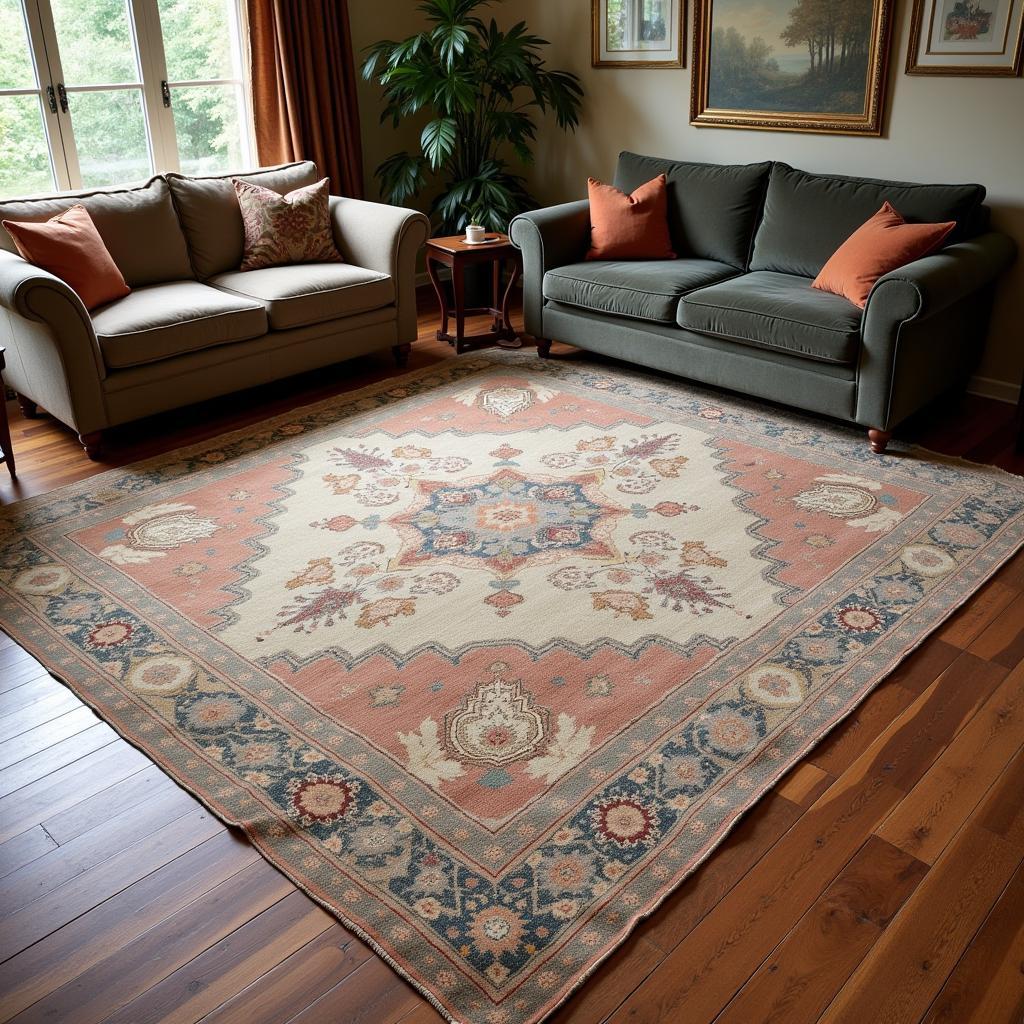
(51, 98)
(165, 91)
(63, 94)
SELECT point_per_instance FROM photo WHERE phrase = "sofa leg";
(28, 408)
(544, 348)
(879, 440)
(401, 354)
(92, 443)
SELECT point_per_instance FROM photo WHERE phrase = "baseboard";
(989, 387)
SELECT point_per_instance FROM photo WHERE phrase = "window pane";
(95, 39)
(24, 157)
(110, 134)
(198, 39)
(208, 121)
(16, 71)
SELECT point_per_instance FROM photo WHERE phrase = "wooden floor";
(881, 881)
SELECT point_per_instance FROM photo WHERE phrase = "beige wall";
(938, 129)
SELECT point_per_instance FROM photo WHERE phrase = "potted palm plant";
(483, 87)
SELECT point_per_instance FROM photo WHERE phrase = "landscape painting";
(810, 65)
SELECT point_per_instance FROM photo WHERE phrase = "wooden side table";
(455, 253)
(6, 450)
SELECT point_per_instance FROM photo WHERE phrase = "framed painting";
(791, 65)
(966, 37)
(639, 33)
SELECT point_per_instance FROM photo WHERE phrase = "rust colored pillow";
(883, 243)
(295, 228)
(70, 247)
(633, 227)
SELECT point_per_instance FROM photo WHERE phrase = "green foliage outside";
(96, 48)
(836, 35)
(483, 87)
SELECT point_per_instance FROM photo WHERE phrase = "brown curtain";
(304, 88)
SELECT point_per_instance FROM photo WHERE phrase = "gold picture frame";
(872, 48)
(924, 57)
(601, 56)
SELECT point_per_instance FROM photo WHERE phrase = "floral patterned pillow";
(294, 228)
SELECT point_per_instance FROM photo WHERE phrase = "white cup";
(475, 233)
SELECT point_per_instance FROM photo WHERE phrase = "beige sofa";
(194, 326)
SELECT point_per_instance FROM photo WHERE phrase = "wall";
(938, 129)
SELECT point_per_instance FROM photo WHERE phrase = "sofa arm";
(52, 354)
(941, 302)
(386, 239)
(548, 238)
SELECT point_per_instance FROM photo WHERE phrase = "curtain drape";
(304, 88)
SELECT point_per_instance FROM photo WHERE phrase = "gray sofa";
(194, 327)
(737, 309)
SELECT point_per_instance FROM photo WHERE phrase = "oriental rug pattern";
(488, 659)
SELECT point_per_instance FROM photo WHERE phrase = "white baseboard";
(989, 387)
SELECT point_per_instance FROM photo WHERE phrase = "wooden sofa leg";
(879, 440)
(401, 354)
(92, 443)
(544, 348)
(28, 408)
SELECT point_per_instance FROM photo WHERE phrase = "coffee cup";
(475, 233)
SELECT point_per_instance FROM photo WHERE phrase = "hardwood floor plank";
(30, 693)
(24, 848)
(67, 786)
(1002, 812)
(936, 808)
(684, 909)
(804, 784)
(146, 784)
(235, 961)
(115, 931)
(807, 969)
(46, 735)
(910, 963)
(41, 764)
(371, 994)
(90, 888)
(295, 982)
(1003, 640)
(91, 848)
(965, 625)
(24, 671)
(37, 713)
(987, 985)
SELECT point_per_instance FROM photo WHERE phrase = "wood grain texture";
(880, 881)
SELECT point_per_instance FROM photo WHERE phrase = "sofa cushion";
(138, 226)
(166, 320)
(712, 208)
(808, 216)
(309, 293)
(211, 219)
(644, 290)
(779, 311)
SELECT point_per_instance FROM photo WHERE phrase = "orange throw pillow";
(70, 247)
(883, 243)
(633, 227)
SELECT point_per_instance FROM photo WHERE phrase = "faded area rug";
(488, 658)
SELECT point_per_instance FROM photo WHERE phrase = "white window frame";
(152, 85)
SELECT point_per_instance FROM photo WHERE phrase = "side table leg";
(442, 299)
(459, 292)
(506, 303)
(5, 440)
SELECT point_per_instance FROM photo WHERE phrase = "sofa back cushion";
(138, 226)
(211, 219)
(808, 216)
(712, 208)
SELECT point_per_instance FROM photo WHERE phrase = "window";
(97, 92)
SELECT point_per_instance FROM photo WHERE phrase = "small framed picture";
(966, 37)
(639, 33)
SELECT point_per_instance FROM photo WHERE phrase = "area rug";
(489, 658)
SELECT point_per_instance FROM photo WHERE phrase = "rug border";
(480, 362)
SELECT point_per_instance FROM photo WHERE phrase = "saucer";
(487, 240)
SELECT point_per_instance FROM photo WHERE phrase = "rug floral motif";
(488, 659)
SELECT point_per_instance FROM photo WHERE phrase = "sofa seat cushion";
(166, 320)
(310, 293)
(643, 290)
(779, 311)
